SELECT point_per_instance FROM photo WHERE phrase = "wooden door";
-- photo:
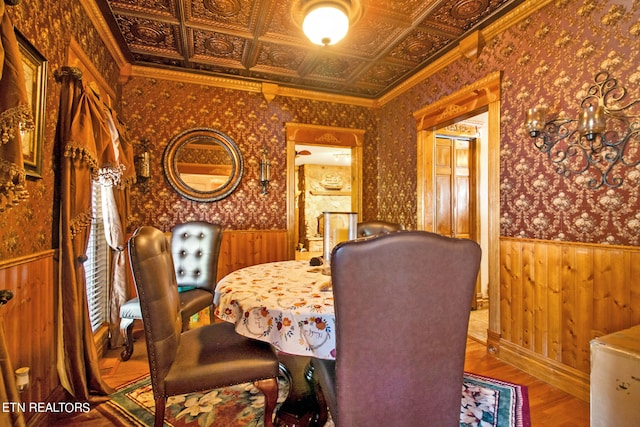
(454, 183)
(455, 210)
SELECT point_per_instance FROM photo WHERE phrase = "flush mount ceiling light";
(326, 22)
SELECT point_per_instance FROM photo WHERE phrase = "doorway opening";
(322, 184)
(461, 181)
(481, 97)
(337, 182)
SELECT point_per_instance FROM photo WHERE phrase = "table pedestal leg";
(303, 407)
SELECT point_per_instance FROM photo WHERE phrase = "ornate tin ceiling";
(261, 40)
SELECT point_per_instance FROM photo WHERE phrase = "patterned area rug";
(485, 402)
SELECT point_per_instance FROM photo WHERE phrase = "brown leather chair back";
(152, 265)
(375, 228)
(195, 247)
(402, 304)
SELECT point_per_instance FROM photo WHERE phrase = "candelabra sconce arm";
(598, 142)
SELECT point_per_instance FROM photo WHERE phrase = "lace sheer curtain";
(115, 209)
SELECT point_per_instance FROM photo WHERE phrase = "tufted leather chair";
(195, 247)
(203, 358)
(402, 303)
(375, 228)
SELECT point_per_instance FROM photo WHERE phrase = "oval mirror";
(203, 164)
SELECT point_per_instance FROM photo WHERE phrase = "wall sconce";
(265, 172)
(143, 169)
(22, 379)
(587, 145)
(143, 166)
(143, 161)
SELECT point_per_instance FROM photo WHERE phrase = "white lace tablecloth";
(288, 304)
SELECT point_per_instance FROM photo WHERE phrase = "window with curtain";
(97, 265)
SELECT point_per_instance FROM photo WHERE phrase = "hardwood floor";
(549, 406)
(478, 325)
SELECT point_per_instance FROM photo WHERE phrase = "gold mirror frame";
(228, 173)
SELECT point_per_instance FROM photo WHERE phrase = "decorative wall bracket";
(601, 142)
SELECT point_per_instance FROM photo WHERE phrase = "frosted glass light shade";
(326, 24)
(592, 121)
(535, 122)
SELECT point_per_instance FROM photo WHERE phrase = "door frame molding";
(482, 95)
(307, 134)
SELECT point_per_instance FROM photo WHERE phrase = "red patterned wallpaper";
(551, 58)
(158, 110)
(48, 25)
(547, 58)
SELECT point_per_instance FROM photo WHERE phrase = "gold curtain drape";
(84, 143)
(8, 390)
(15, 115)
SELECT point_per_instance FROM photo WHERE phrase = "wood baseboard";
(482, 302)
(552, 372)
(493, 342)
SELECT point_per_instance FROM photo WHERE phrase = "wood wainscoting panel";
(555, 297)
(242, 248)
(29, 321)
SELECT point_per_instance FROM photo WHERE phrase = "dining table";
(288, 304)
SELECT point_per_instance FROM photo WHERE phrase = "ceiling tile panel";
(281, 26)
(262, 40)
(217, 48)
(154, 7)
(149, 36)
(465, 14)
(418, 46)
(281, 59)
(334, 67)
(221, 15)
(410, 9)
(370, 37)
(382, 75)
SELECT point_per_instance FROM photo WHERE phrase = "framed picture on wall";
(35, 74)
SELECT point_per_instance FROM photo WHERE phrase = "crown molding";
(268, 90)
(96, 18)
